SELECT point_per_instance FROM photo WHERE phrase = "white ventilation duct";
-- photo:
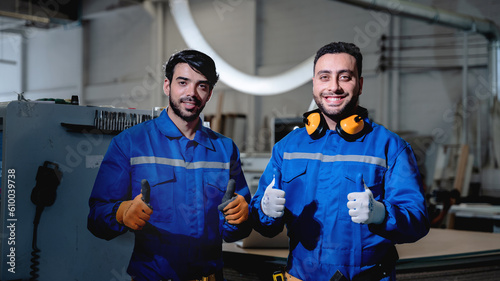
(231, 76)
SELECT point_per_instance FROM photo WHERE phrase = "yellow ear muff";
(352, 127)
(352, 124)
(313, 121)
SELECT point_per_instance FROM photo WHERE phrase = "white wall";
(10, 68)
(119, 69)
(47, 63)
(53, 63)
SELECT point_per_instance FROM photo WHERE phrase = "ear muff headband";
(350, 128)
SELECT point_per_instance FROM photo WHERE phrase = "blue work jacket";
(317, 175)
(188, 178)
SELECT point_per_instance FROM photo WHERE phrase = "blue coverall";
(317, 175)
(188, 178)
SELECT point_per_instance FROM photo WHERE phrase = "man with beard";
(189, 168)
(346, 188)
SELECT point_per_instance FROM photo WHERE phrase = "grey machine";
(50, 157)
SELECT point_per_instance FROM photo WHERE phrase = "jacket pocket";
(373, 178)
(215, 185)
(295, 184)
(293, 170)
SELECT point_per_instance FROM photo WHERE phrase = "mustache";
(191, 99)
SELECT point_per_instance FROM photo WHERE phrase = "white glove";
(273, 201)
(363, 208)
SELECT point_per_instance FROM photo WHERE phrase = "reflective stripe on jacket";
(188, 179)
(317, 175)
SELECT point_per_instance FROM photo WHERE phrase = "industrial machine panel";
(58, 149)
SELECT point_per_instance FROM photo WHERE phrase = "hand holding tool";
(146, 192)
(273, 201)
(233, 206)
(236, 211)
(135, 213)
(363, 208)
(229, 196)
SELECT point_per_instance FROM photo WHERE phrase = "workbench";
(440, 248)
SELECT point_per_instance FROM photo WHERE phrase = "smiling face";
(188, 92)
(336, 86)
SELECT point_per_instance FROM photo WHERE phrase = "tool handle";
(231, 186)
(146, 192)
(228, 196)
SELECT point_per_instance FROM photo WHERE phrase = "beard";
(348, 110)
(187, 115)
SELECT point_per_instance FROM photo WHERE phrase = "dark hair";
(341, 47)
(197, 60)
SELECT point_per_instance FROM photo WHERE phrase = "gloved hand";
(236, 211)
(133, 213)
(233, 206)
(363, 208)
(273, 201)
(229, 196)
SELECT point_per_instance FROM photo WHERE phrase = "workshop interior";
(74, 74)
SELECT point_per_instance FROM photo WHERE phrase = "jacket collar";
(168, 128)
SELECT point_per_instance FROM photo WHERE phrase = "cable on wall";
(442, 52)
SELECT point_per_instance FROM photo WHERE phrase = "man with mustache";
(189, 169)
(346, 188)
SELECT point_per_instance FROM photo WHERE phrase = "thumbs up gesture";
(273, 201)
(135, 213)
(363, 208)
(233, 206)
